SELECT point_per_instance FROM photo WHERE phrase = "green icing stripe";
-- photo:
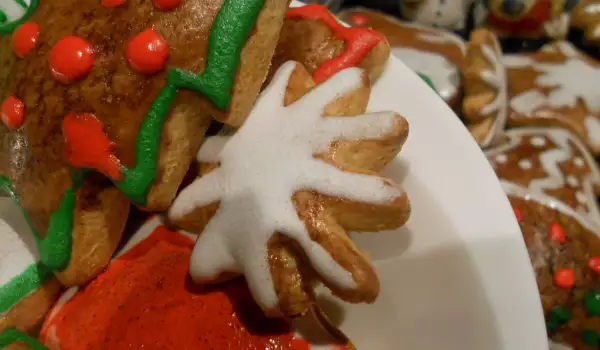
(12, 335)
(21, 3)
(7, 28)
(3, 17)
(22, 285)
(55, 248)
(229, 33)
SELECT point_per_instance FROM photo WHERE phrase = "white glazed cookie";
(485, 102)
(556, 86)
(551, 161)
(261, 185)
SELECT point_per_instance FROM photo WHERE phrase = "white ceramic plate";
(457, 276)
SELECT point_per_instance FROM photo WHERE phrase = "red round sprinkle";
(24, 38)
(557, 233)
(594, 264)
(113, 3)
(564, 278)
(166, 5)
(359, 20)
(518, 215)
(147, 52)
(12, 112)
(71, 59)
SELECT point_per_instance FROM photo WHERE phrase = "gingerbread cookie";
(312, 36)
(144, 300)
(296, 220)
(110, 102)
(27, 286)
(551, 161)
(437, 54)
(564, 249)
(485, 103)
(556, 86)
(586, 17)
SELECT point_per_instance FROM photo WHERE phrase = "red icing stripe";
(24, 38)
(87, 145)
(12, 112)
(358, 41)
(113, 3)
(166, 5)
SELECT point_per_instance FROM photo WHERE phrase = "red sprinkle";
(557, 233)
(518, 215)
(87, 145)
(24, 38)
(166, 5)
(359, 20)
(13, 112)
(113, 3)
(359, 41)
(71, 59)
(564, 278)
(147, 52)
(594, 264)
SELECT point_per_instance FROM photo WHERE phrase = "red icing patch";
(87, 145)
(359, 41)
(12, 112)
(24, 38)
(359, 20)
(166, 5)
(518, 215)
(71, 59)
(147, 52)
(113, 3)
(145, 300)
(557, 233)
(594, 264)
(564, 278)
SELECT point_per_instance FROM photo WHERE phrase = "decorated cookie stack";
(106, 104)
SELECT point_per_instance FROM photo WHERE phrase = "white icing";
(596, 31)
(592, 127)
(572, 181)
(501, 158)
(495, 78)
(262, 166)
(592, 9)
(550, 160)
(581, 198)
(525, 164)
(538, 141)
(558, 27)
(444, 75)
(13, 10)
(441, 13)
(570, 81)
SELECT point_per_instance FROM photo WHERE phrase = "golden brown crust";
(312, 43)
(327, 219)
(100, 217)
(29, 312)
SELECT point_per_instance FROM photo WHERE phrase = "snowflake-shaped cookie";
(276, 176)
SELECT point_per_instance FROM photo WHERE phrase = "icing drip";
(15, 12)
(231, 28)
(55, 248)
(12, 335)
(24, 38)
(258, 176)
(358, 41)
(85, 130)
